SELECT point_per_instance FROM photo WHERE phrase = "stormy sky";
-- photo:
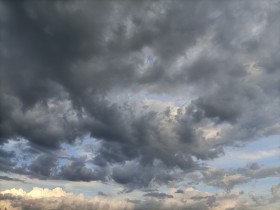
(140, 105)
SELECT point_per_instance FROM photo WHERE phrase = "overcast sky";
(140, 105)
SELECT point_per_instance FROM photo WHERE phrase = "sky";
(133, 105)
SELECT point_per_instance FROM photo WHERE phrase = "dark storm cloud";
(62, 64)
(76, 170)
(220, 107)
(6, 160)
(46, 43)
(43, 165)
(133, 175)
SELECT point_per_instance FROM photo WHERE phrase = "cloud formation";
(69, 70)
(39, 198)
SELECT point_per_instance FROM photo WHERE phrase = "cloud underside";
(39, 198)
(115, 72)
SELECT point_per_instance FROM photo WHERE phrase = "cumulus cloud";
(75, 170)
(40, 198)
(43, 198)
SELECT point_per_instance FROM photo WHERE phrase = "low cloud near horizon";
(43, 198)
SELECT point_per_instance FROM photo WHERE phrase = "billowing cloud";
(40, 198)
(116, 72)
(43, 198)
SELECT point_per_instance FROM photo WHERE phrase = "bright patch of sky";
(265, 151)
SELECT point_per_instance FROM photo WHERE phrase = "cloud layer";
(116, 72)
(39, 198)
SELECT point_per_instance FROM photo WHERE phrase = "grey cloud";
(254, 166)
(51, 43)
(158, 195)
(6, 160)
(266, 172)
(43, 165)
(223, 108)
(133, 175)
(6, 154)
(259, 200)
(102, 194)
(180, 191)
(223, 179)
(155, 204)
(275, 189)
(76, 170)
(10, 179)
(259, 173)
(227, 179)
(60, 62)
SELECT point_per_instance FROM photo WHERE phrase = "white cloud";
(43, 198)
(47, 199)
